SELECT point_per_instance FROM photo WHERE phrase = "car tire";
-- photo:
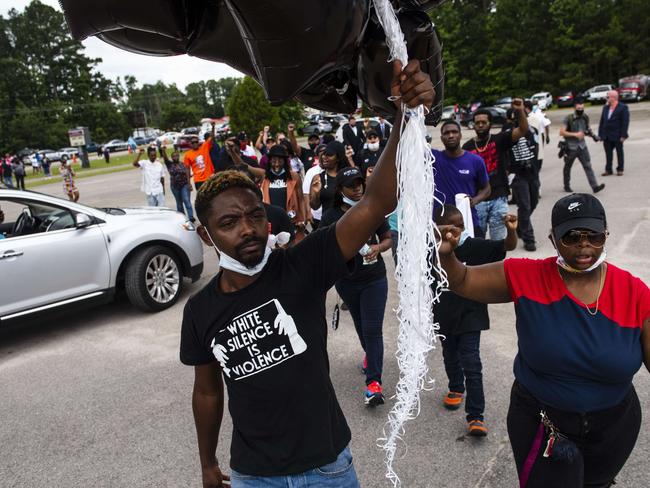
(153, 279)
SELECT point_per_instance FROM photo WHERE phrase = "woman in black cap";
(282, 187)
(582, 327)
(323, 186)
(365, 290)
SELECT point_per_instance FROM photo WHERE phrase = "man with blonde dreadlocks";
(251, 326)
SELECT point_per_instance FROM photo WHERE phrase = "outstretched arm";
(136, 161)
(486, 283)
(357, 225)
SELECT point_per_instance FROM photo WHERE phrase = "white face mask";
(278, 173)
(231, 264)
(349, 201)
(463, 237)
(565, 266)
(373, 146)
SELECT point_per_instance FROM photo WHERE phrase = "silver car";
(55, 253)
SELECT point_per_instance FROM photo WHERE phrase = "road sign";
(77, 137)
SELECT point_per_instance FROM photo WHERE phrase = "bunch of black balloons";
(324, 53)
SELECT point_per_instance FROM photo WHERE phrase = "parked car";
(598, 93)
(92, 147)
(497, 113)
(565, 99)
(116, 145)
(140, 141)
(633, 88)
(546, 96)
(90, 253)
(504, 103)
(317, 124)
(223, 131)
(50, 154)
(69, 151)
(168, 138)
(447, 112)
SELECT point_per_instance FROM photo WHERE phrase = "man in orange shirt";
(198, 159)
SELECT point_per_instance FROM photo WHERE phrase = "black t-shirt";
(363, 273)
(327, 190)
(278, 191)
(458, 315)
(523, 156)
(6, 169)
(307, 156)
(367, 158)
(279, 220)
(270, 339)
(495, 156)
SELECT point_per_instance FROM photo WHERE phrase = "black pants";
(609, 155)
(525, 190)
(464, 370)
(20, 182)
(604, 438)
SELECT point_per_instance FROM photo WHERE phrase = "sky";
(147, 69)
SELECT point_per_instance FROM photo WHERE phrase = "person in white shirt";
(153, 177)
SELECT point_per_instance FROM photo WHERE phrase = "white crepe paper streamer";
(417, 251)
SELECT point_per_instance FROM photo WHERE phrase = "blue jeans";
(182, 197)
(491, 214)
(8, 181)
(464, 371)
(157, 200)
(367, 303)
(339, 474)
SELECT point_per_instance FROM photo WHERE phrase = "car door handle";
(11, 254)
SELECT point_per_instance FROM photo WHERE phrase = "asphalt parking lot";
(99, 398)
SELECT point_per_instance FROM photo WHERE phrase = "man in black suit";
(383, 129)
(614, 122)
(353, 135)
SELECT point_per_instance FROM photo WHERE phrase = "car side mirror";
(82, 220)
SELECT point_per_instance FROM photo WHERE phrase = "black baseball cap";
(578, 211)
(371, 133)
(347, 176)
(278, 150)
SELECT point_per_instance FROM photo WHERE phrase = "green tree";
(249, 109)
(177, 115)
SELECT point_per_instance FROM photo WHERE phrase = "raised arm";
(136, 161)
(291, 132)
(414, 88)
(486, 283)
(522, 127)
(207, 405)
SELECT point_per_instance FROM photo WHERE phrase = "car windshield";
(629, 84)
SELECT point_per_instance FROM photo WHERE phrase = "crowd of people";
(260, 324)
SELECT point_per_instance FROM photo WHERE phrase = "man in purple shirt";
(459, 171)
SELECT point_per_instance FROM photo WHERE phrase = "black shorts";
(605, 439)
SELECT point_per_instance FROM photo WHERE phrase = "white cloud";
(147, 69)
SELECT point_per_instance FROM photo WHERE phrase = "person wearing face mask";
(323, 185)
(368, 157)
(366, 289)
(583, 328)
(307, 154)
(462, 320)
(259, 328)
(574, 130)
(282, 187)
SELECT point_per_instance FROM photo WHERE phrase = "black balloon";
(324, 53)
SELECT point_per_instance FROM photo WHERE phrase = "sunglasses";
(574, 237)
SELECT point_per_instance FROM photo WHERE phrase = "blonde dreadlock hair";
(217, 184)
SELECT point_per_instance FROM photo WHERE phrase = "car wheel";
(153, 279)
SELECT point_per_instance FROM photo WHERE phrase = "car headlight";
(189, 226)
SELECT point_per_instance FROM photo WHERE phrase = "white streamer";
(417, 251)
